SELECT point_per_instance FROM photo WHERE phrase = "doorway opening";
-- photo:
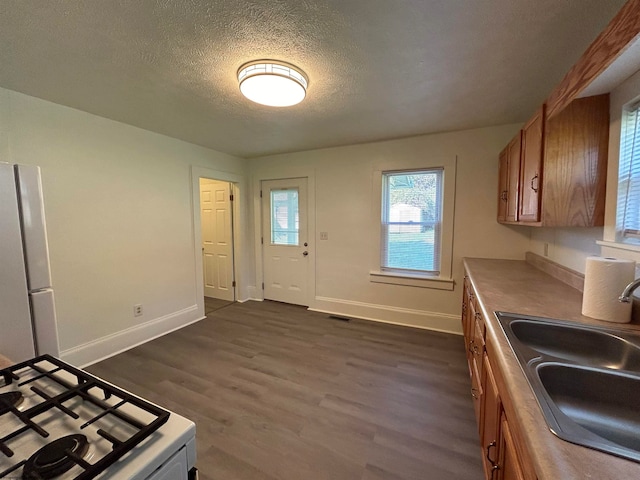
(217, 243)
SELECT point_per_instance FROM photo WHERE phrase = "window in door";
(628, 211)
(412, 221)
(285, 217)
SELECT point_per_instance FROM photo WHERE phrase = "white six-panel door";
(285, 240)
(217, 239)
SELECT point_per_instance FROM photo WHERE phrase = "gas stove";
(59, 422)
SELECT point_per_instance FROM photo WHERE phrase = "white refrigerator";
(27, 307)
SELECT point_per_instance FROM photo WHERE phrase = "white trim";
(252, 294)
(449, 164)
(245, 300)
(423, 281)
(619, 246)
(110, 345)
(408, 317)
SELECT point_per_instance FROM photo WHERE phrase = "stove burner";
(53, 459)
(9, 400)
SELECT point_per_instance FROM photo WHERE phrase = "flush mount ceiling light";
(272, 83)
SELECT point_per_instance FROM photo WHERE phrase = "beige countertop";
(517, 287)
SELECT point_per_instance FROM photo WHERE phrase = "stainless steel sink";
(602, 403)
(586, 380)
(575, 343)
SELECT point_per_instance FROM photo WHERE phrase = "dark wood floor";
(213, 304)
(278, 392)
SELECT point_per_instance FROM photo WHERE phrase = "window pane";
(628, 217)
(285, 222)
(411, 220)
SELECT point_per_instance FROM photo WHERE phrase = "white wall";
(343, 208)
(571, 246)
(118, 201)
(566, 246)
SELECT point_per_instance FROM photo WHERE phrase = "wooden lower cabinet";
(491, 409)
(500, 458)
(509, 465)
(473, 328)
(503, 457)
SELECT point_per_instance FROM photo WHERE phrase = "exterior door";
(217, 239)
(285, 240)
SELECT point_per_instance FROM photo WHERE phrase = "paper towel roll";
(604, 281)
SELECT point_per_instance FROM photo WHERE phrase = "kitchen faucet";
(626, 294)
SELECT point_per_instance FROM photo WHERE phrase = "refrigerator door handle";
(43, 312)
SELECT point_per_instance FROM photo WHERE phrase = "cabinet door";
(490, 416)
(476, 388)
(503, 185)
(510, 466)
(465, 309)
(470, 323)
(513, 180)
(575, 164)
(478, 348)
(531, 168)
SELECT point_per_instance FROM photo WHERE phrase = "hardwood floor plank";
(281, 393)
(229, 467)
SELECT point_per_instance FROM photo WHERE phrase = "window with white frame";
(628, 211)
(412, 221)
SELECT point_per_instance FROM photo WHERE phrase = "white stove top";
(58, 401)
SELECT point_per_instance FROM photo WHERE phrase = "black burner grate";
(87, 388)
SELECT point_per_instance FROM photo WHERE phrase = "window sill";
(423, 281)
(620, 246)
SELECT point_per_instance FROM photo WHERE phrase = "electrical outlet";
(137, 310)
(324, 235)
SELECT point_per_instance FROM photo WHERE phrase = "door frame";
(237, 187)
(270, 173)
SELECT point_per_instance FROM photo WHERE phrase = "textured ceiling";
(378, 69)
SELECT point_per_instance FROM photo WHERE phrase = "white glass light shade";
(275, 84)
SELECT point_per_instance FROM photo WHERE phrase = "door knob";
(305, 253)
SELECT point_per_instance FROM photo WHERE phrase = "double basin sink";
(586, 380)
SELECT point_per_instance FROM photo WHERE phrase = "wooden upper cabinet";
(531, 168)
(560, 178)
(503, 185)
(575, 164)
(513, 177)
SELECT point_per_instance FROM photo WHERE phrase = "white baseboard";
(251, 300)
(441, 322)
(110, 345)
